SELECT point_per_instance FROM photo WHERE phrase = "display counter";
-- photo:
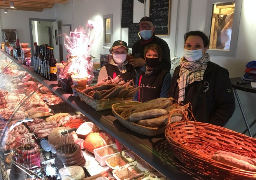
(154, 150)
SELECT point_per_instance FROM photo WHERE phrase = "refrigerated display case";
(42, 99)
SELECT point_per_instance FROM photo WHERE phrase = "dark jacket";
(130, 73)
(212, 99)
(152, 86)
(139, 46)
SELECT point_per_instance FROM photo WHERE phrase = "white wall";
(77, 13)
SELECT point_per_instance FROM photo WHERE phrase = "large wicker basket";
(147, 131)
(193, 143)
(102, 104)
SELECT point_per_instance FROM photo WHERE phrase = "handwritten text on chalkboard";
(133, 34)
(159, 11)
(127, 13)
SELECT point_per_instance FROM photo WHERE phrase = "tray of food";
(103, 95)
(149, 118)
(214, 151)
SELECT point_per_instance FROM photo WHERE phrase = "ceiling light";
(11, 4)
(5, 10)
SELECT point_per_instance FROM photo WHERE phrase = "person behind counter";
(202, 83)
(154, 80)
(118, 64)
(147, 37)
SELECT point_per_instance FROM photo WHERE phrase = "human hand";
(138, 62)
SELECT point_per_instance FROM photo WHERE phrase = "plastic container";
(101, 154)
(126, 172)
(120, 159)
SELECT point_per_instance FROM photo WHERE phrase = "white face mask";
(193, 55)
(119, 58)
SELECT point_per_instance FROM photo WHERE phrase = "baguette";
(147, 114)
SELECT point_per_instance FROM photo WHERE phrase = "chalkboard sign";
(133, 34)
(159, 11)
(127, 13)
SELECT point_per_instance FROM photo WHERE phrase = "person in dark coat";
(147, 36)
(118, 64)
(202, 83)
(153, 80)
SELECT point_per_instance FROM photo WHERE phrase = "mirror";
(45, 31)
(222, 26)
(108, 29)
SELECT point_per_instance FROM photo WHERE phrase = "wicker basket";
(102, 104)
(148, 131)
(193, 143)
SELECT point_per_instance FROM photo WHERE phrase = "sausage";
(232, 161)
(114, 93)
(154, 122)
(147, 114)
(159, 103)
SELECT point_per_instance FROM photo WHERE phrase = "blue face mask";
(193, 55)
(146, 34)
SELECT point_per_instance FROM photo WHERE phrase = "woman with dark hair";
(153, 80)
(202, 83)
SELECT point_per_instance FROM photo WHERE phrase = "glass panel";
(108, 30)
(221, 25)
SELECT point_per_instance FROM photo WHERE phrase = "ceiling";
(29, 5)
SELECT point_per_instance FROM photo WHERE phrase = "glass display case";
(48, 135)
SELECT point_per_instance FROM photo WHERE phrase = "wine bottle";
(39, 59)
(53, 68)
(42, 61)
(18, 49)
(34, 56)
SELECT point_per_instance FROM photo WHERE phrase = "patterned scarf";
(190, 72)
(121, 67)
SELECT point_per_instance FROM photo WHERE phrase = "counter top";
(154, 150)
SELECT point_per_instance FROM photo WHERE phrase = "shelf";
(154, 150)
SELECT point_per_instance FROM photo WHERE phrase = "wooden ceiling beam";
(30, 5)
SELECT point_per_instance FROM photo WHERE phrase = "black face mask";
(152, 62)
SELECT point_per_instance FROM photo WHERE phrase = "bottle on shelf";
(45, 72)
(35, 63)
(18, 49)
(40, 56)
(42, 61)
(52, 65)
(34, 56)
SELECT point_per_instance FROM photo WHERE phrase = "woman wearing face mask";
(118, 64)
(154, 81)
(202, 83)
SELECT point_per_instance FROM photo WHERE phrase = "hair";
(197, 33)
(153, 47)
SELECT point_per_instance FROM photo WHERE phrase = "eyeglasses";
(147, 27)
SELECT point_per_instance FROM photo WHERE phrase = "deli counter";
(23, 100)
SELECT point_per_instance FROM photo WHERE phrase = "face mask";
(119, 58)
(193, 55)
(146, 34)
(152, 62)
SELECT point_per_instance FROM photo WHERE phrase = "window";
(108, 29)
(222, 26)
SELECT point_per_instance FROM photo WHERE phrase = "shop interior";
(46, 114)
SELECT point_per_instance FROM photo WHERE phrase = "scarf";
(191, 72)
(121, 67)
